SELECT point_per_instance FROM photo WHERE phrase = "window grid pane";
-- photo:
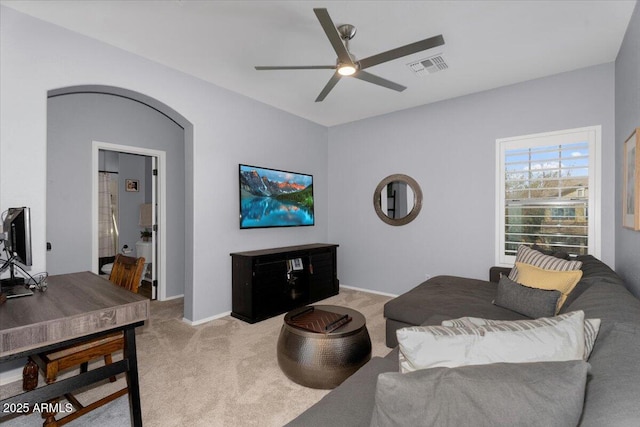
(546, 198)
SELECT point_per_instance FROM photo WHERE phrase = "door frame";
(161, 212)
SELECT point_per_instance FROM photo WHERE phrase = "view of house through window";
(546, 189)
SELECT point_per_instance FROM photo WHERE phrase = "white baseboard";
(208, 319)
(369, 291)
(172, 297)
(227, 313)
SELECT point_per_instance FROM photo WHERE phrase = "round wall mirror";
(397, 200)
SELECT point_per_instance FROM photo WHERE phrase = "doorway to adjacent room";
(128, 210)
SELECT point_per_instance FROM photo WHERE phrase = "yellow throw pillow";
(535, 277)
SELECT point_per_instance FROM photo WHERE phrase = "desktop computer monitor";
(17, 226)
(17, 245)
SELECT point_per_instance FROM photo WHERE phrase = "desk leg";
(132, 376)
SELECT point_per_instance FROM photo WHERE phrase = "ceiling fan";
(347, 64)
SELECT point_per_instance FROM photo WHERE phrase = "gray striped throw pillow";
(530, 256)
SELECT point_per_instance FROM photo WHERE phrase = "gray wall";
(449, 147)
(73, 122)
(627, 118)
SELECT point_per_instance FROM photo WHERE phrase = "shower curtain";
(107, 225)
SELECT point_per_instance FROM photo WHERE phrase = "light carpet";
(221, 373)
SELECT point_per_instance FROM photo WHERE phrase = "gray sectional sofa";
(612, 396)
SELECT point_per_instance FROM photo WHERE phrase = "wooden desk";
(75, 307)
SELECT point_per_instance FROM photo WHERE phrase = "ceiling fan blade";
(332, 82)
(399, 52)
(368, 77)
(332, 33)
(297, 67)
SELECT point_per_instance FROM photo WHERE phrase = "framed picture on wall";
(631, 182)
(132, 185)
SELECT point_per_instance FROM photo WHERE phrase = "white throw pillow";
(550, 339)
(591, 329)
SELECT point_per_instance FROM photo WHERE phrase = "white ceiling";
(487, 44)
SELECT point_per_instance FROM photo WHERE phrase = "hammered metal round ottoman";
(326, 358)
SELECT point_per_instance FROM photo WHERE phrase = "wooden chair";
(126, 272)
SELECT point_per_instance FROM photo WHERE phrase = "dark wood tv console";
(269, 282)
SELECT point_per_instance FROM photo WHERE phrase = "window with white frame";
(548, 192)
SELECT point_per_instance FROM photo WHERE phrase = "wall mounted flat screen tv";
(275, 198)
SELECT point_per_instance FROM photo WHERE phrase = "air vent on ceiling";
(430, 65)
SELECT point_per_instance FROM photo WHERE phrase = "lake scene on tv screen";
(275, 198)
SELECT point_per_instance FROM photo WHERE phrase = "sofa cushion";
(525, 300)
(592, 267)
(613, 388)
(546, 339)
(529, 256)
(593, 271)
(606, 300)
(527, 394)
(444, 297)
(536, 277)
(449, 296)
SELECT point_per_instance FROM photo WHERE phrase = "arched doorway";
(79, 115)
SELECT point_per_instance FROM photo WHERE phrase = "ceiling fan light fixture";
(346, 70)
(347, 65)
